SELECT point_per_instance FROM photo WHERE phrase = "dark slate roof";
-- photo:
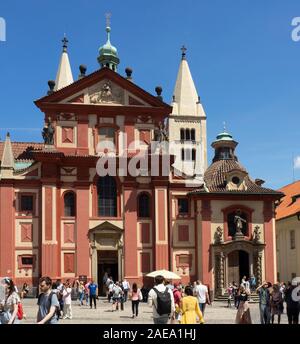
(215, 180)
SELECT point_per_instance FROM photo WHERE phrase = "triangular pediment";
(101, 88)
(105, 92)
(106, 226)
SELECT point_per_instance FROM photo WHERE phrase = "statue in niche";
(48, 133)
(161, 133)
(238, 221)
(219, 235)
(256, 234)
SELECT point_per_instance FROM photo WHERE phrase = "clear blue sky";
(244, 63)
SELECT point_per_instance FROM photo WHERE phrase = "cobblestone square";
(218, 313)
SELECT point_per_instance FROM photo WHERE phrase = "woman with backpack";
(9, 306)
(136, 297)
(116, 297)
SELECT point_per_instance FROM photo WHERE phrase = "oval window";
(235, 180)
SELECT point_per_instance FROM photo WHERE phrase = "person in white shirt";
(66, 294)
(162, 310)
(126, 288)
(201, 292)
(110, 290)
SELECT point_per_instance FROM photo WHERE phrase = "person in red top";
(177, 298)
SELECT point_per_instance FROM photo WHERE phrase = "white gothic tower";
(187, 125)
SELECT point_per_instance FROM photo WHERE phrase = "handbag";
(20, 313)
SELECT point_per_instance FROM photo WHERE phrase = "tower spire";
(185, 93)
(64, 76)
(7, 159)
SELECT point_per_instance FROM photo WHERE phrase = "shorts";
(116, 299)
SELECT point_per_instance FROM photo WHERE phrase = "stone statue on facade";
(256, 234)
(161, 133)
(219, 235)
(238, 221)
(106, 93)
(48, 133)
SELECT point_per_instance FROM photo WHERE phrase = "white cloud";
(297, 162)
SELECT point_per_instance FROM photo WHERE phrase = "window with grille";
(69, 204)
(144, 205)
(183, 206)
(27, 260)
(26, 203)
(107, 196)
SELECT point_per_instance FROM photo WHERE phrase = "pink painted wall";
(130, 241)
(161, 250)
(269, 240)
(48, 213)
(49, 260)
(7, 230)
(82, 251)
(206, 240)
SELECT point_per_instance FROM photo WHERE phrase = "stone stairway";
(223, 298)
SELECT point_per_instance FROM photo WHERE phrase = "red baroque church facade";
(60, 218)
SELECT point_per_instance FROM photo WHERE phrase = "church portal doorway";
(107, 262)
(238, 266)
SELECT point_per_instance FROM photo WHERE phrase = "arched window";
(182, 154)
(182, 134)
(187, 134)
(107, 196)
(69, 204)
(143, 205)
(194, 154)
(193, 135)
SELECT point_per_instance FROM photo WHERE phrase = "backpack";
(164, 303)
(20, 312)
(57, 308)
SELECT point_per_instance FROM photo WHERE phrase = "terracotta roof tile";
(288, 206)
(215, 179)
(22, 150)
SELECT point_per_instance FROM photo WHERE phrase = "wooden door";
(233, 268)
